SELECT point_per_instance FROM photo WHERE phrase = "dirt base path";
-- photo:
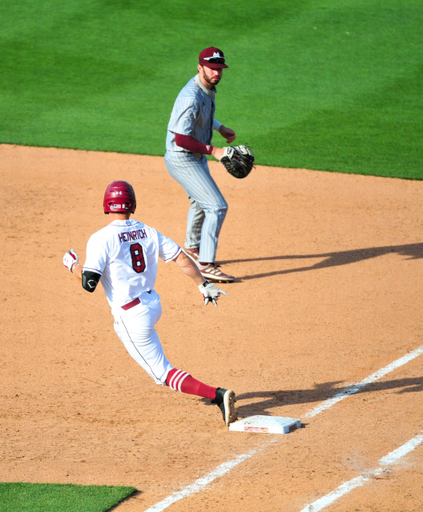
(328, 291)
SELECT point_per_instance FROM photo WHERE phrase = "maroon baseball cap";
(212, 58)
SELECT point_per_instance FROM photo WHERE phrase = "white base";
(266, 425)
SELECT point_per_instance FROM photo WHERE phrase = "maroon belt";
(132, 303)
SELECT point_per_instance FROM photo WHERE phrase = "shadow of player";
(333, 259)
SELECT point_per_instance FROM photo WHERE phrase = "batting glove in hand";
(210, 292)
(70, 259)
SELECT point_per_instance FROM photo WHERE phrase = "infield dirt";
(328, 291)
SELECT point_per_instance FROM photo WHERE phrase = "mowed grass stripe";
(331, 84)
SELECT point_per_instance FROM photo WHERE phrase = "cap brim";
(212, 66)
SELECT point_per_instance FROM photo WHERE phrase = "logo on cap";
(216, 55)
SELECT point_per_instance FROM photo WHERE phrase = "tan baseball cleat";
(192, 253)
(210, 271)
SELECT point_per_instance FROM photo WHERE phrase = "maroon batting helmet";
(119, 198)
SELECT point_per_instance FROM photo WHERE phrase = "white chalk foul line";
(224, 468)
(199, 484)
(368, 380)
(347, 487)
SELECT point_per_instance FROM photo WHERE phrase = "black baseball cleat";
(225, 399)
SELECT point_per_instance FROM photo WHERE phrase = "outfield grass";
(27, 497)
(330, 84)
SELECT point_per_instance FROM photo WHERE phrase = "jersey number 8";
(138, 261)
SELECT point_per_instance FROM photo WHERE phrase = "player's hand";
(227, 133)
(210, 292)
(70, 259)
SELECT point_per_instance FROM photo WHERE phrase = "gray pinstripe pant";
(208, 206)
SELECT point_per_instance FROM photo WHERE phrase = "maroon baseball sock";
(184, 382)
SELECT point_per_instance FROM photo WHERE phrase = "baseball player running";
(124, 255)
(189, 135)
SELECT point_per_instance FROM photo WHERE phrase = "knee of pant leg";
(223, 210)
(221, 207)
(216, 212)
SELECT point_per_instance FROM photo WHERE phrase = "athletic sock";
(180, 380)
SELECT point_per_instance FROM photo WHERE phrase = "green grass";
(26, 497)
(321, 84)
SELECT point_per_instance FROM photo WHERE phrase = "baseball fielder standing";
(189, 136)
(124, 255)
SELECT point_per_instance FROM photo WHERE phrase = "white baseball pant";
(136, 329)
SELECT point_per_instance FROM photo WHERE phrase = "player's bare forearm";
(77, 271)
(218, 152)
(209, 291)
(188, 268)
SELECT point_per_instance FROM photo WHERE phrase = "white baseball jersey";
(126, 253)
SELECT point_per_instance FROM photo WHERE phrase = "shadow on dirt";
(265, 401)
(334, 259)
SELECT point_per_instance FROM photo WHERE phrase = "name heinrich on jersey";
(128, 236)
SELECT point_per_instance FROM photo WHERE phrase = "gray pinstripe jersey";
(192, 114)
